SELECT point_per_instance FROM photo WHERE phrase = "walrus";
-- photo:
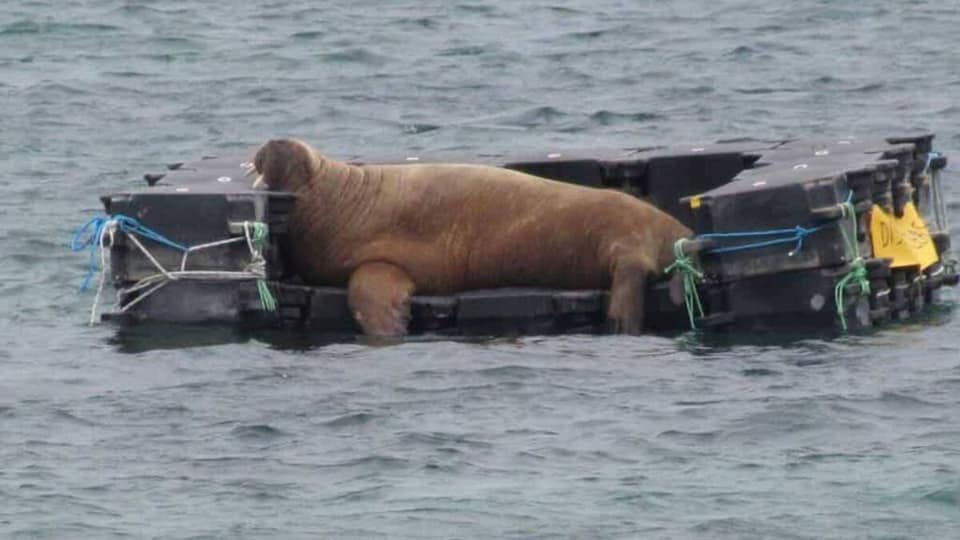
(389, 231)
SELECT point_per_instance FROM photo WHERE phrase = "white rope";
(257, 262)
(148, 255)
(109, 228)
(183, 262)
(255, 269)
(141, 297)
(938, 202)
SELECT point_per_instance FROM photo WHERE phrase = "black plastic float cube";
(787, 301)
(192, 219)
(197, 302)
(191, 206)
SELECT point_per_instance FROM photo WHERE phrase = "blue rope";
(132, 226)
(796, 234)
(79, 243)
(88, 236)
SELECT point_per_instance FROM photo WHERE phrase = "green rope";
(259, 240)
(689, 277)
(858, 268)
(267, 301)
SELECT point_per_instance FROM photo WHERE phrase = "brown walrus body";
(388, 231)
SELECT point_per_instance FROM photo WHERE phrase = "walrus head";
(284, 164)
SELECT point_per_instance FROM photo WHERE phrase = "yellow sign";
(904, 239)
(695, 202)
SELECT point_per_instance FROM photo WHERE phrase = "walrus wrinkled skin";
(389, 231)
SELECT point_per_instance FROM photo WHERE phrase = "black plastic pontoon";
(785, 231)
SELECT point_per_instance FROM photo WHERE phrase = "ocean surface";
(209, 433)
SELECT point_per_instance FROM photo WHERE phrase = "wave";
(258, 431)
(357, 55)
(21, 28)
(606, 118)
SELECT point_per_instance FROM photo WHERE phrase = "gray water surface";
(210, 433)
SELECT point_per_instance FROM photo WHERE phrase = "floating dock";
(811, 234)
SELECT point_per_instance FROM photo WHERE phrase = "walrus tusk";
(249, 169)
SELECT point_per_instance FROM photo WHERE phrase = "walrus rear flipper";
(379, 298)
(627, 290)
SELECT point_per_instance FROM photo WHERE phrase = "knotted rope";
(95, 233)
(689, 275)
(858, 268)
(795, 234)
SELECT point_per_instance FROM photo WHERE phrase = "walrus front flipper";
(625, 312)
(379, 298)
